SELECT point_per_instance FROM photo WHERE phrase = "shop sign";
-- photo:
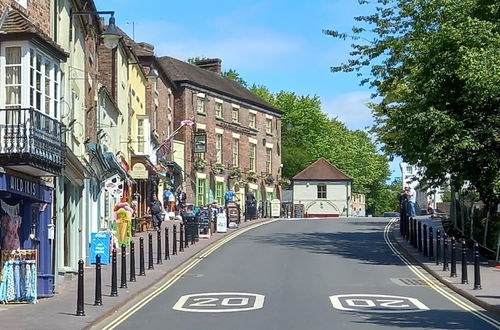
(200, 142)
(22, 186)
(221, 223)
(100, 245)
(139, 171)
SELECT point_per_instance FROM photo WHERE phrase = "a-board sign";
(298, 210)
(233, 212)
(100, 245)
(221, 223)
(204, 219)
(275, 208)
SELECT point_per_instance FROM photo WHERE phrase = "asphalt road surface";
(306, 274)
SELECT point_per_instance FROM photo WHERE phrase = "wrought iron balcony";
(31, 142)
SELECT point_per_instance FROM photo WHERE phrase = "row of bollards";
(183, 243)
(421, 237)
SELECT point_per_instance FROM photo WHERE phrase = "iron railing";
(30, 137)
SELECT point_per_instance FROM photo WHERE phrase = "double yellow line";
(432, 283)
(198, 258)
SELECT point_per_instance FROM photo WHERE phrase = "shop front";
(27, 235)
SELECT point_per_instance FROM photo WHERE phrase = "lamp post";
(110, 36)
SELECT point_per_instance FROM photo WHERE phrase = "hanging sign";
(200, 142)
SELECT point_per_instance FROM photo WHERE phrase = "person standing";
(412, 199)
(156, 211)
(171, 201)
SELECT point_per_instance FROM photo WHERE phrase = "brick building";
(236, 140)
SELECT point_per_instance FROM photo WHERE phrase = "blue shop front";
(27, 235)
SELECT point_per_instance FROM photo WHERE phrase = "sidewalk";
(59, 312)
(488, 297)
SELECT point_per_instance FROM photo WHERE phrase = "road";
(305, 274)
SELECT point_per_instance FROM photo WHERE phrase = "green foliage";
(435, 66)
(232, 74)
(307, 134)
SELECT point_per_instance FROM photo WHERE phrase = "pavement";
(59, 312)
(488, 296)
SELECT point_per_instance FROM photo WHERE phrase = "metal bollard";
(477, 274)
(132, 262)
(415, 242)
(150, 250)
(181, 234)
(426, 251)
(158, 247)
(453, 258)
(438, 245)
(142, 270)
(167, 253)
(79, 296)
(174, 240)
(114, 274)
(98, 289)
(186, 231)
(419, 239)
(123, 282)
(465, 280)
(431, 244)
(445, 252)
(409, 237)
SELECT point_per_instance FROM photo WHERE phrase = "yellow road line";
(113, 324)
(431, 283)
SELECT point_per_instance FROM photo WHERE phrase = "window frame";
(321, 191)
(269, 160)
(235, 152)
(252, 123)
(219, 140)
(252, 155)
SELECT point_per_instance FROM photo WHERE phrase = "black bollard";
(181, 234)
(150, 256)
(426, 251)
(79, 297)
(132, 262)
(445, 252)
(419, 239)
(438, 245)
(167, 253)
(409, 238)
(174, 240)
(415, 241)
(158, 247)
(114, 275)
(123, 282)
(186, 231)
(453, 272)
(477, 274)
(98, 290)
(465, 280)
(142, 271)
(431, 244)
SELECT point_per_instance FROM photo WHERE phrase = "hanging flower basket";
(199, 164)
(235, 173)
(269, 179)
(252, 176)
(217, 168)
(284, 182)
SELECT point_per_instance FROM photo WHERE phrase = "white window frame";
(269, 126)
(269, 160)
(252, 154)
(218, 106)
(235, 115)
(235, 151)
(218, 147)
(252, 123)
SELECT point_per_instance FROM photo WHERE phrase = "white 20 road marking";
(433, 285)
(376, 303)
(219, 302)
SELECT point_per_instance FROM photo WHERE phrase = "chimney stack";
(210, 64)
(147, 47)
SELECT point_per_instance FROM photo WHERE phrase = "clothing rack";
(18, 276)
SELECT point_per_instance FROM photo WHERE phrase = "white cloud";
(350, 108)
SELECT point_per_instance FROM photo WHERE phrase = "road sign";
(219, 302)
(375, 303)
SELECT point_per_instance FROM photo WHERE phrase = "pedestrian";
(171, 201)
(166, 198)
(156, 211)
(181, 200)
(412, 199)
(229, 195)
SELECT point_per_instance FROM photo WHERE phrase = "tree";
(307, 134)
(434, 66)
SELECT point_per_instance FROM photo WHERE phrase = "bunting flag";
(187, 122)
(165, 149)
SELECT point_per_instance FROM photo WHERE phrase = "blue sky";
(275, 43)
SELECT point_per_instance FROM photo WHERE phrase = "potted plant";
(269, 179)
(235, 173)
(217, 168)
(199, 164)
(252, 176)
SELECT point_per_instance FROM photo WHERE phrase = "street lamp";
(110, 36)
(152, 74)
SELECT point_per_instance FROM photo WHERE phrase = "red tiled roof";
(322, 170)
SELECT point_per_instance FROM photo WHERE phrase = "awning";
(114, 167)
